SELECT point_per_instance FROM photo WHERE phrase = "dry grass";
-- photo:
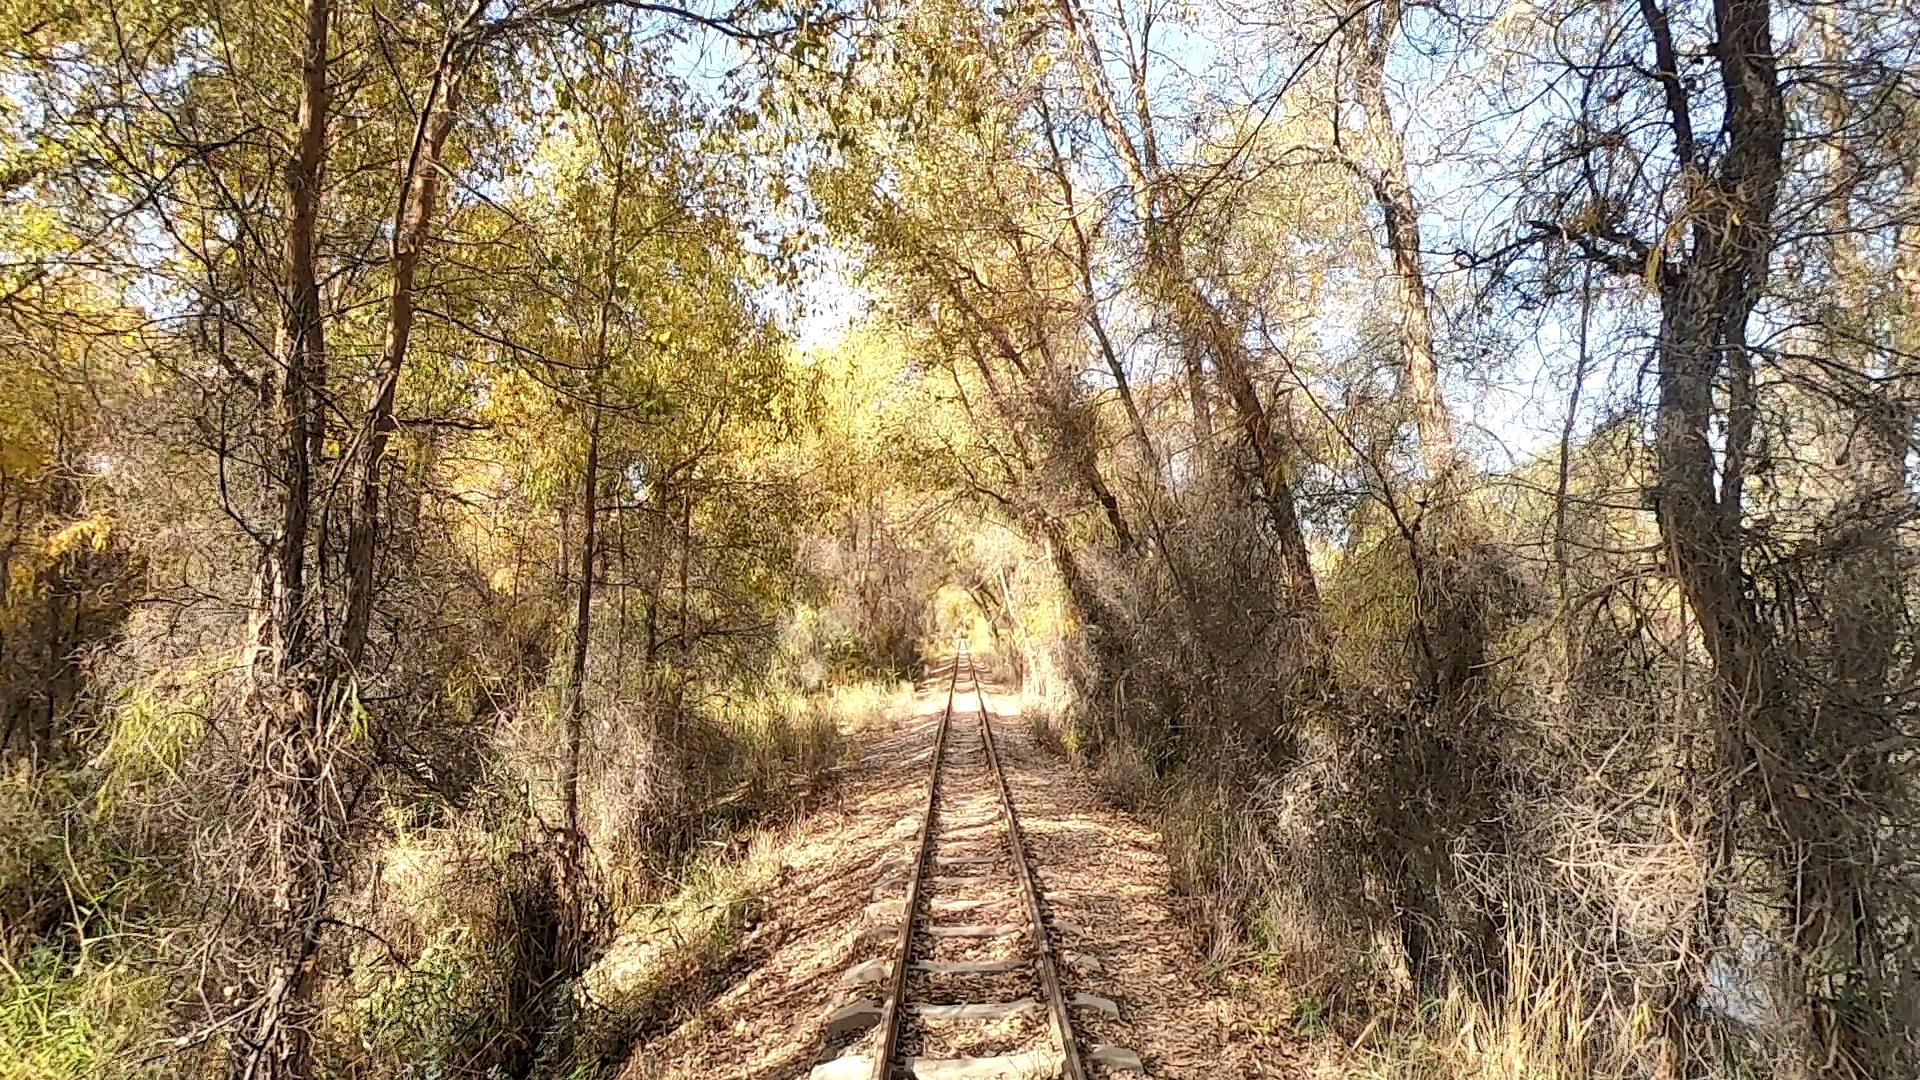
(682, 846)
(669, 957)
(1544, 1029)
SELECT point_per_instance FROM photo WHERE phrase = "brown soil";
(1109, 892)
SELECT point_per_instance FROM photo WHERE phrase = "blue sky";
(1205, 67)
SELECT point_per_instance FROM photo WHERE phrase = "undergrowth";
(75, 1015)
(445, 926)
(455, 985)
(1250, 856)
(672, 956)
(82, 983)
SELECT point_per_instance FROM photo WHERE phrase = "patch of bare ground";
(815, 921)
(825, 912)
(1109, 893)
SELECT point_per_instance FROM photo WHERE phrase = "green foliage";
(81, 994)
(82, 962)
(69, 1017)
(149, 734)
(420, 1021)
(1371, 607)
(33, 803)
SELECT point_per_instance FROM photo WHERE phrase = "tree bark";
(582, 632)
(288, 752)
(589, 524)
(284, 623)
(1393, 193)
(413, 218)
(1707, 298)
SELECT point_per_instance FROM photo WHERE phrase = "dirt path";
(1101, 870)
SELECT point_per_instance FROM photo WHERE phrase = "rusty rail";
(1060, 1021)
(903, 948)
(1042, 946)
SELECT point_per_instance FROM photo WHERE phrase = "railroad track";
(971, 988)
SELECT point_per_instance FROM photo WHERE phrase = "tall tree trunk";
(1089, 297)
(289, 766)
(1157, 495)
(1707, 298)
(590, 517)
(582, 631)
(1140, 163)
(1393, 193)
(413, 218)
(284, 623)
(1705, 306)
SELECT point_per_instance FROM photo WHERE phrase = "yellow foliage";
(24, 576)
(92, 532)
(22, 582)
(503, 578)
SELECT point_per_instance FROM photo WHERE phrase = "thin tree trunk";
(582, 632)
(413, 218)
(650, 623)
(683, 643)
(1570, 633)
(289, 754)
(284, 623)
(589, 526)
(1393, 193)
(1071, 411)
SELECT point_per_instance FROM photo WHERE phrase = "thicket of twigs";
(1544, 867)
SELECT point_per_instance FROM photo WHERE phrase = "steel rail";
(1043, 950)
(903, 948)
